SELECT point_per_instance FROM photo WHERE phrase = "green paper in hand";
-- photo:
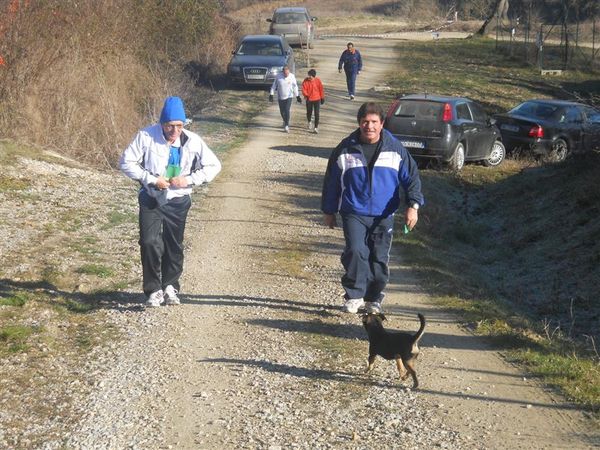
(172, 171)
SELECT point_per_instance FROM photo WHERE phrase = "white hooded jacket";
(147, 157)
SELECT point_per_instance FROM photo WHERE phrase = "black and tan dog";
(398, 345)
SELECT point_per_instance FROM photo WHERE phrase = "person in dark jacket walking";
(365, 176)
(351, 62)
(312, 89)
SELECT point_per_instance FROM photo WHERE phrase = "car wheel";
(457, 161)
(496, 155)
(558, 152)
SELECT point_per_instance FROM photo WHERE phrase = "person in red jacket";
(313, 92)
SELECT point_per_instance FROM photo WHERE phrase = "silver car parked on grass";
(295, 24)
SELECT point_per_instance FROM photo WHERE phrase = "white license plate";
(255, 77)
(413, 144)
(507, 127)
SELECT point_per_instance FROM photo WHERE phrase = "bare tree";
(499, 10)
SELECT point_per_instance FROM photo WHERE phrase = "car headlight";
(275, 70)
(235, 69)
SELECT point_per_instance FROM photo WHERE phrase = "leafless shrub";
(82, 76)
(549, 329)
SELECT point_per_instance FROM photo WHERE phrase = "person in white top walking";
(286, 86)
(167, 161)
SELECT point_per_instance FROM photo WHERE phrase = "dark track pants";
(351, 81)
(284, 110)
(161, 241)
(366, 256)
(310, 106)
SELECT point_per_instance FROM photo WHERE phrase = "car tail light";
(536, 132)
(447, 114)
(393, 107)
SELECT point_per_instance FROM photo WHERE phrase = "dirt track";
(262, 217)
(260, 354)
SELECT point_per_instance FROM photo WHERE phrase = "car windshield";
(536, 110)
(287, 18)
(260, 48)
(420, 109)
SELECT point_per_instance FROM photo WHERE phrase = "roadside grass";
(473, 68)
(99, 270)
(15, 337)
(225, 122)
(507, 283)
(291, 261)
(513, 250)
(42, 323)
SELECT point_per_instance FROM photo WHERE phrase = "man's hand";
(412, 216)
(322, 101)
(162, 183)
(271, 98)
(179, 182)
(299, 99)
(329, 220)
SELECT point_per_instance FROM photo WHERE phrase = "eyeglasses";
(171, 127)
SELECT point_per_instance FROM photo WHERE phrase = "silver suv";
(295, 24)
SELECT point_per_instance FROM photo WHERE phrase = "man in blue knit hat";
(168, 161)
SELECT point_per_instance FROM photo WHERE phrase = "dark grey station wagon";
(448, 129)
(259, 58)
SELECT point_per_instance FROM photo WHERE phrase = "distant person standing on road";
(167, 161)
(366, 174)
(351, 62)
(314, 95)
(286, 86)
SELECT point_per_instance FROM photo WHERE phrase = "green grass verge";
(98, 270)
(473, 68)
(507, 249)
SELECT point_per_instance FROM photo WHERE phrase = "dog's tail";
(419, 333)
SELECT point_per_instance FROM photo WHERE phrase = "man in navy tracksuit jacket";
(351, 61)
(364, 177)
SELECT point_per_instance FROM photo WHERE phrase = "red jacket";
(313, 89)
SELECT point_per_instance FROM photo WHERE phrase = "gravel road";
(260, 355)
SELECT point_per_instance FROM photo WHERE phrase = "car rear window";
(260, 48)
(535, 109)
(420, 109)
(287, 18)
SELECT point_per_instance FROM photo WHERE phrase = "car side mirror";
(491, 121)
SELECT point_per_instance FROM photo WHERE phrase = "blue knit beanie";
(172, 110)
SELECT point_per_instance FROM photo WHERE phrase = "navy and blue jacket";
(354, 186)
(352, 62)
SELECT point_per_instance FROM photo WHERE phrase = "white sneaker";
(171, 294)
(351, 97)
(155, 299)
(373, 307)
(287, 129)
(316, 131)
(353, 305)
